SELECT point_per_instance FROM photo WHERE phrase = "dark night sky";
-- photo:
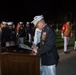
(26, 10)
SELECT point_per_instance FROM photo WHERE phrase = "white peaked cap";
(27, 22)
(4, 22)
(37, 19)
(21, 22)
(10, 23)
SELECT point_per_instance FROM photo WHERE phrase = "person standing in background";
(14, 34)
(20, 32)
(66, 33)
(3, 34)
(28, 31)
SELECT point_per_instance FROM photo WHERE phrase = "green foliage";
(59, 41)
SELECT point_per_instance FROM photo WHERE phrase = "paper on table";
(24, 46)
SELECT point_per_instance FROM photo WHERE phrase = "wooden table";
(19, 63)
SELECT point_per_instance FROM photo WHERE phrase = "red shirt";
(66, 30)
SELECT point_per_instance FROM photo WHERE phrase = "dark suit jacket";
(48, 50)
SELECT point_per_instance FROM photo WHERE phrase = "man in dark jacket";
(47, 47)
(21, 33)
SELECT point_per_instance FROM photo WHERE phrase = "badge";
(42, 42)
(43, 35)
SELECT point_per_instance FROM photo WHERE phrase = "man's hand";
(62, 36)
(33, 46)
(35, 49)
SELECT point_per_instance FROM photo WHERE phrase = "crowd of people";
(11, 34)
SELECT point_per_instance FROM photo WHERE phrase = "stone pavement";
(67, 62)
